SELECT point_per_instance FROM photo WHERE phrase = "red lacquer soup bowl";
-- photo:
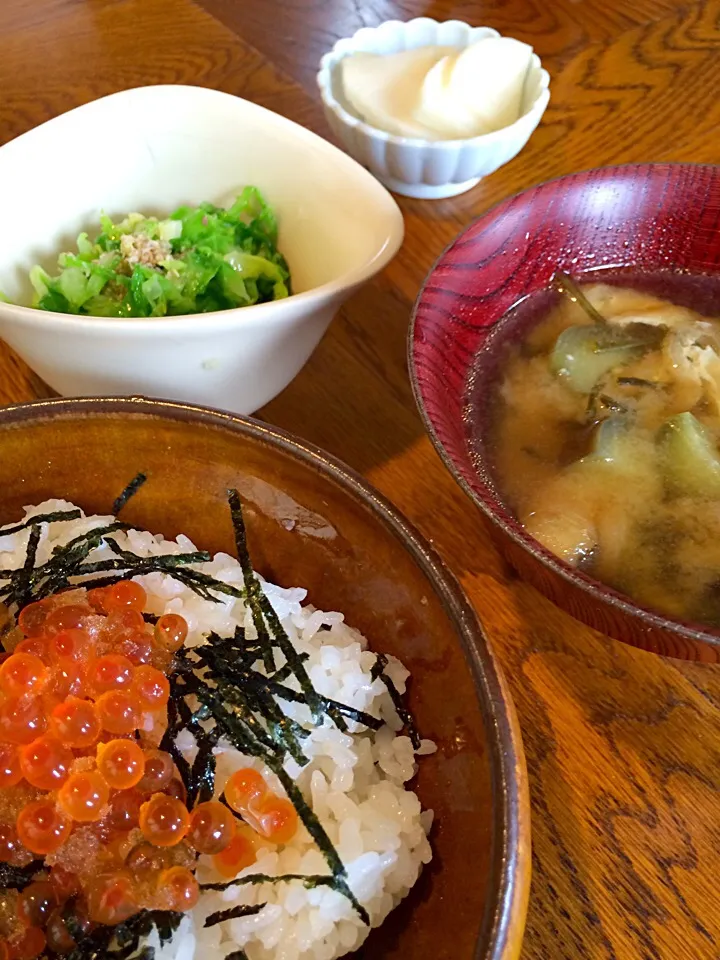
(659, 221)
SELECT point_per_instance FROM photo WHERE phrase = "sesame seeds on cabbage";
(200, 259)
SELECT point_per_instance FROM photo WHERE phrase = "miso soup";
(603, 433)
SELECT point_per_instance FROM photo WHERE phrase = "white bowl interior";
(154, 148)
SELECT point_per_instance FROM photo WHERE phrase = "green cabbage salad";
(200, 259)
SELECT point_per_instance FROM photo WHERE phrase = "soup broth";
(603, 433)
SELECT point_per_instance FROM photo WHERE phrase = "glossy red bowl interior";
(644, 218)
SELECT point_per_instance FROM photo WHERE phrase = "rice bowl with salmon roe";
(226, 765)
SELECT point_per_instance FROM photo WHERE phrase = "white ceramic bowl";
(151, 149)
(422, 168)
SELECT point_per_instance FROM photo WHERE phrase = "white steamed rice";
(355, 783)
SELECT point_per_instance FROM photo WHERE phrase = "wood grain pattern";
(623, 748)
(308, 28)
(84, 49)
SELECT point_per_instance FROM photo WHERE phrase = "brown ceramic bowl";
(314, 524)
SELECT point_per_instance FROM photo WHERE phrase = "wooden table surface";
(623, 748)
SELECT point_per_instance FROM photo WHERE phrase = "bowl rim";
(503, 518)
(324, 82)
(500, 934)
(386, 208)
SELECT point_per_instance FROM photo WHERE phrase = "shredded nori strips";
(55, 517)
(23, 587)
(232, 914)
(217, 691)
(309, 881)
(201, 778)
(123, 940)
(17, 878)
(130, 490)
(252, 585)
(352, 713)
(168, 742)
(241, 701)
(378, 670)
(68, 567)
(71, 920)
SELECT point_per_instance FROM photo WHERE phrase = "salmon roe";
(124, 811)
(69, 644)
(118, 711)
(212, 827)
(66, 883)
(59, 938)
(84, 796)
(245, 789)
(83, 703)
(171, 631)
(178, 889)
(96, 598)
(277, 820)
(116, 851)
(23, 673)
(121, 763)
(164, 821)
(159, 771)
(42, 827)
(126, 593)
(67, 681)
(137, 646)
(111, 898)
(176, 788)
(110, 672)
(147, 859)
(22, 719)
(11, 850)
(31, 618)
(65, 616)
(28, 945)
(76, 723)
(151, 687)
(237, 855)
(10, 772)
(37, 646)
(37, 901)
(124, 620)
(45, 762)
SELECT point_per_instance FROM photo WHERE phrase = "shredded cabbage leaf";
(200, 259)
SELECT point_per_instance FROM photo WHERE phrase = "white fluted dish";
(425, 169)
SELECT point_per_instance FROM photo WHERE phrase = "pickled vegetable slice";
(691, 461)
(584, 354)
